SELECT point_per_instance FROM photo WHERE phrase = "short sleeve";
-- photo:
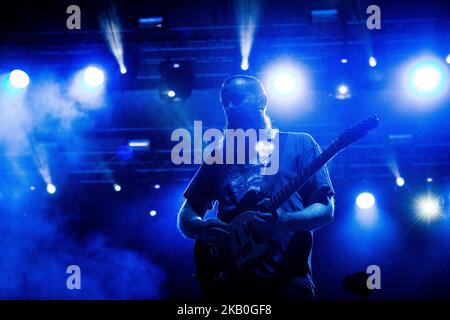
(319, 187)
(200, 192)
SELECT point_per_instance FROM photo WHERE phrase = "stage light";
(400, 182)
(32, 188)
(153, 213)
(426, 78)
(176, 80)
(343, 89)
(123, 70)
(51, 188)
(342, 92)
(372, 62)
(344, 60)
(139, 144)
(19, 79)
(429, 179)
(93, 76)
(151, 22)
(157, 186)
(447, 58)
(244, 65)
(324, 15)
(287, 86)
(428, 207)
(117, 187)
(284, 83)
(365, 200)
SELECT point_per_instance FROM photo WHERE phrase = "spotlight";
(372, 62)
(428, 207)
(93, 76)
(365, 200)
(123, 70)
(284, 83)
(427, 77)
(153, 213)
(244, 65)
(429, 179)
(447, 58)
(343, 89)
(117, 187)
(19, 79)
(342, 92)
(344, 60)
(400, 181)
(32, 188)
(151, 22)
(143, 144)
(157, 186)
(176, 80)
(51, 189)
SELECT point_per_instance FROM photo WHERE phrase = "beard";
(241, 119)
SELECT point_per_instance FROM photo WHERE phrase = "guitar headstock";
(356, 132)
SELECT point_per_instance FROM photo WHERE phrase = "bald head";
(239, 89)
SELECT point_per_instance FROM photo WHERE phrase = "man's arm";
(210, 231)
(313, 217)
(188, 221)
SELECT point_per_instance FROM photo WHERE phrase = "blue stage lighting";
(19, 79)
(447, 58)
(171, 93)
(344, 60)
(428, 207)
(157, 186)
(93, 76)
(244, 65)
(123, 70)
(51, 188)
(153, 213)
(372, 62)
(400, 182)
(427, 77)
(343, 89)
(284, 83)
(429, 179)
(365, 200)
(117, 187)
(342, 92)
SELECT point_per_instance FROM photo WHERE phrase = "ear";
(262, 101)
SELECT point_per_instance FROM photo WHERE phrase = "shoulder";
(299, 137)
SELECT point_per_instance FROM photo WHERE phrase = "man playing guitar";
(286, 272)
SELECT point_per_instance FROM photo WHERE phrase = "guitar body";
(218, 266)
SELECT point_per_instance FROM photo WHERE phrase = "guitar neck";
(299, 180)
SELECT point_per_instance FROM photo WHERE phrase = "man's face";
(244, 112)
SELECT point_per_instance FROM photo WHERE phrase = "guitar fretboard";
(299, 180)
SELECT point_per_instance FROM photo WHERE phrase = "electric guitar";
(215, 265)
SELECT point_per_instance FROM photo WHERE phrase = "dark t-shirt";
(228, 183)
